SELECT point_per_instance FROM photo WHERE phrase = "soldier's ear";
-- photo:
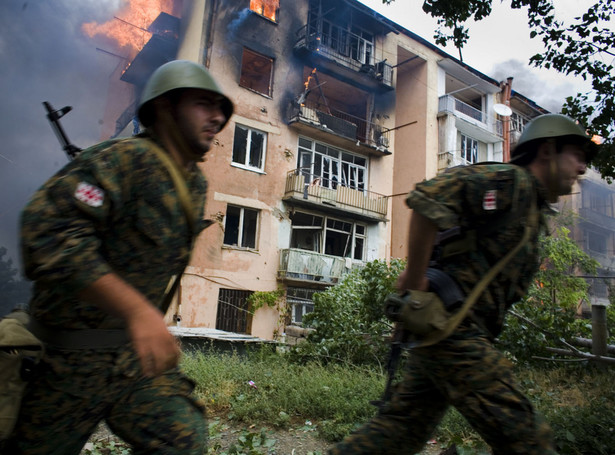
(546, 151)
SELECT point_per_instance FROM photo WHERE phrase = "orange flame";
(309, 79)
(129, 26)
(267, 8)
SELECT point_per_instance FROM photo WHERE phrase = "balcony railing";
(450, 159)
(313, 188)
(599, 219)
(310, 39)
(304, 265)
(448, 103)
(342, 124)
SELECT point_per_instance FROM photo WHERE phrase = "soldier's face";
(199, 118)
(571, 164)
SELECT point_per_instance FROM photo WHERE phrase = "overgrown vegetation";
(348, 318)
(579, 401)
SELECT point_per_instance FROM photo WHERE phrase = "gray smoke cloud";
(526, 81)
(46, 57)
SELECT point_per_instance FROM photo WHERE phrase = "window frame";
(241, 228)
(331, 166)
(465, 139)
(248, 149)
(245, 77)
(276, 14)
(326, 229)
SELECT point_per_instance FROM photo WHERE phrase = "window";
(240, 227)
(233, 313)
(596, 242)
(266, 8)
(256, 72)
(330, 236)
(330, 167)
(249, 148)
(300, 300)
(517, 122)
(469, 149)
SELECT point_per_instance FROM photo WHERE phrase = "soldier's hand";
(157, 349)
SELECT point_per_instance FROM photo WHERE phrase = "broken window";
(327, 235)
(256, 72)
(330, 167)
(249, 147)
(240, 227)
(266, 8)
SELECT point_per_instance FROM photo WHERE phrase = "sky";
(44, 56)
(499, 46)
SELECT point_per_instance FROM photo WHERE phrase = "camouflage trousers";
(75, 390)
(464, 371)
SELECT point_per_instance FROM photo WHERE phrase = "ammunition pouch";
(422, 313)
(20, 352)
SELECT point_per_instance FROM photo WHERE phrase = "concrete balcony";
(450, 159)
(353, 132)
(339, 59)
(307, 190)
(301, 266)
(590, 216)
(450, 105)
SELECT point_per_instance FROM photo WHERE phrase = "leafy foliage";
(348, 318)
(584, 48)
(549, 311)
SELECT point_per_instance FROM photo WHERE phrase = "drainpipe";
(505, 94)
(191, 32)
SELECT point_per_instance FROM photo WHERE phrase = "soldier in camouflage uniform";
(465, 370)
(102, 240)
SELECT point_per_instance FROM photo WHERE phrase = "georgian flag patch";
(89, 194)
(490, 200)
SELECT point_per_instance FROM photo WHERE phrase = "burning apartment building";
(339, 112)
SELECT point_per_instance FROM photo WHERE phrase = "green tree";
(585, 47)
(13, 291)
(349, 320)
(548, 315)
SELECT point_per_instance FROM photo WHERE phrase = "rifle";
(54, 117)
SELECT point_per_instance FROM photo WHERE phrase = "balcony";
(450, 159)
(308, 266)
(306, 189)
(450, 104)
(341, 124)
(599, 219)
(346, 56)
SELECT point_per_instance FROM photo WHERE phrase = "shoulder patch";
(89, 194)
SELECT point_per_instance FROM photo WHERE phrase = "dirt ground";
(297, 440)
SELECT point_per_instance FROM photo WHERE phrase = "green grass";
(579, 402)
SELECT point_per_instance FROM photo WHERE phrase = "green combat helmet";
(551, 126)
(179, 74)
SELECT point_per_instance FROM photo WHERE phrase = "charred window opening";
(256, 72)
(329, 236)
(266, 8)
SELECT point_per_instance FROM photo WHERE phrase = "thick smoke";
(45, 57)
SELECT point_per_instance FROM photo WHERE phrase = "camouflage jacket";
(113, 209)
(492, 201)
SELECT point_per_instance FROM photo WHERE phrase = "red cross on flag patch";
(89, 194)
(490, 200)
